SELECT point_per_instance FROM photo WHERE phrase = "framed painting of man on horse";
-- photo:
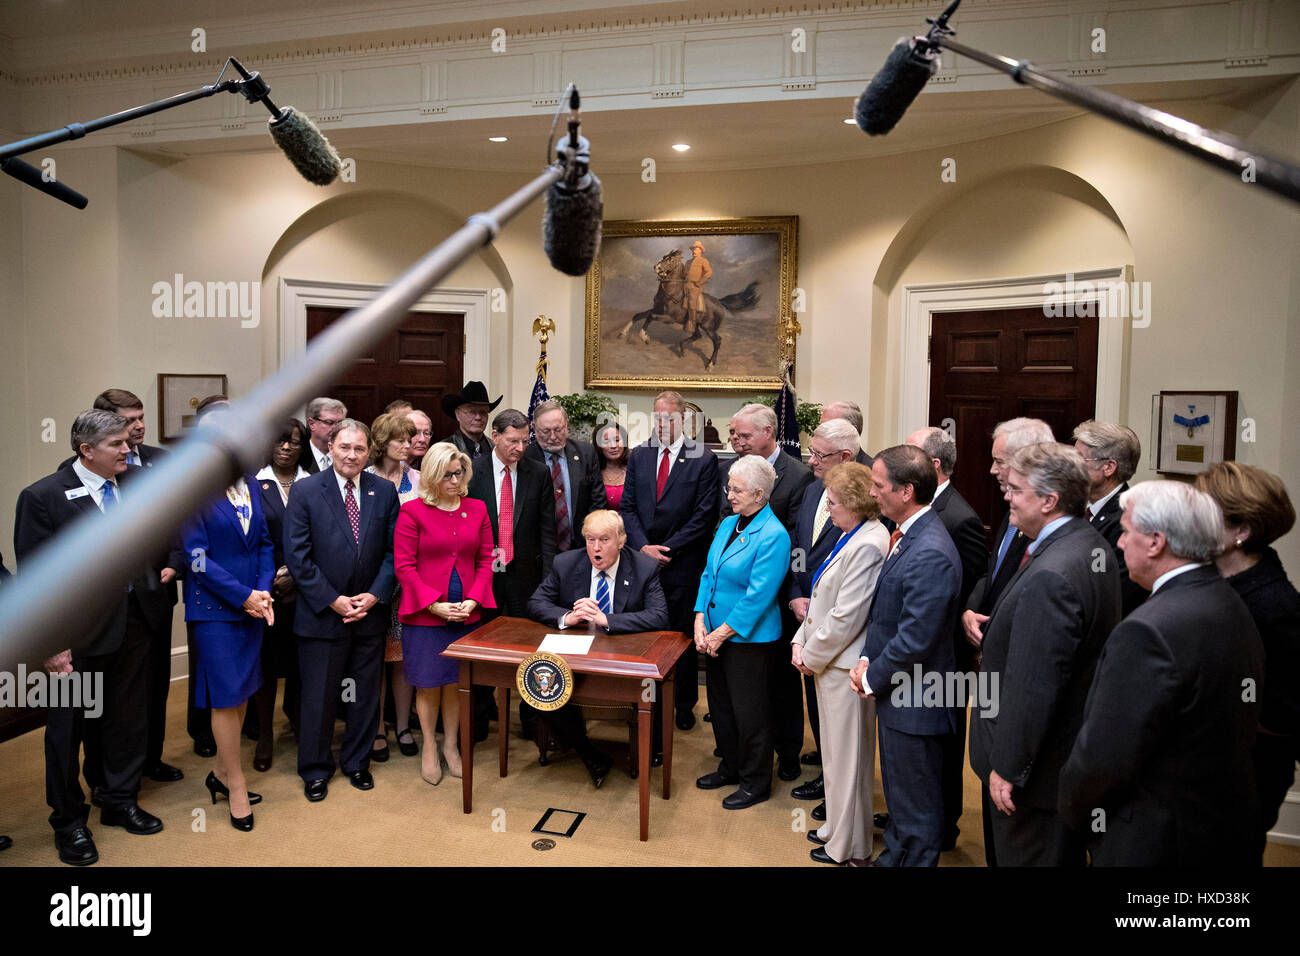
(691, 303)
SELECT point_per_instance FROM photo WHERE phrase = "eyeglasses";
(820, 456)
(452, 474)
(328, 422)
(1099, 459)
(290, 442)
(551, 431)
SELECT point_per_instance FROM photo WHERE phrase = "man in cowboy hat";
(697, 274)
(471, 409)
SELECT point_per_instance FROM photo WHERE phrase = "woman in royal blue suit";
(227, 606)
(738, 624)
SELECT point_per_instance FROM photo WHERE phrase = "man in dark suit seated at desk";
(607, 588)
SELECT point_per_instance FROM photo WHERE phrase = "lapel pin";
(370, 493)
(464, 515)
(627, 583)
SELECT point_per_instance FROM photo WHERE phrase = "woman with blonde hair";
(442, 554)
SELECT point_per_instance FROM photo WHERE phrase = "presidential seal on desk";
(544, 680)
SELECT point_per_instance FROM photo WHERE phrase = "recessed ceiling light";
(496, 139)
(851, 121)
(681, 147)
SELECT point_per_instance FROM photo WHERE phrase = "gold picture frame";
(639, 293)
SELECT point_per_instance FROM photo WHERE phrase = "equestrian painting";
(691, 304)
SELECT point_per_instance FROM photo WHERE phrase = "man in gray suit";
(1041, 645)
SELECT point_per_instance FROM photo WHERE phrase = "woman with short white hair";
(738, 624)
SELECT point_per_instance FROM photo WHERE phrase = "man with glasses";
(470, 409)
(1111, 453)
(575, 473)
(322, 415)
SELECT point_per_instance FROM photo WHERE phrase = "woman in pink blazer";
(442, 553)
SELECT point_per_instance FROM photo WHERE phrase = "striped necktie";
(602, 593)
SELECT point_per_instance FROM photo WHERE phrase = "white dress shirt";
(1170, 575)
(674, 450)
(356, 491)
(498, 471)
(611, 575)
(1094, 508)
(95, 484)
(323, 460)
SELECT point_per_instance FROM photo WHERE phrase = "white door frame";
(296, 295)
(922, 300)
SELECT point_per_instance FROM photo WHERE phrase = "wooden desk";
(623, 667)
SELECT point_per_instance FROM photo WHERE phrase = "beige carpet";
(405, 822)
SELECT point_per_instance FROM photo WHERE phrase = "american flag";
(787, 424)
(539, 392)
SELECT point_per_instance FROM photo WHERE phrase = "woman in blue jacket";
(738, 625)
(227, 606)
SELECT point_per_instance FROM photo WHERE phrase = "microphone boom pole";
(82, 571)
(1211, 146)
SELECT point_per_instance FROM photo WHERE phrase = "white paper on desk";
(566, 643)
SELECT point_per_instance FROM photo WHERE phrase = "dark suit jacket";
(43, 510)
(862, 458)
(1043, 641)
(967, 533)
(792, 477)
(807, 555)
(1275, 606)
(534, 530)
(1168, 727)
(326, 561)
(683, 519)
(583, 462)
(1107, 524)
(156, 599)
(912, 616)
(637, 597)
(474, 449)
(985, 593)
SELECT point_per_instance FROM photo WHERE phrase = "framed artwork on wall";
(1196, 430)
(692, 303)
(178, 398)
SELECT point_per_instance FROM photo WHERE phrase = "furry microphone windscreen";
(308, 150)
(892, 90)
(571, 226)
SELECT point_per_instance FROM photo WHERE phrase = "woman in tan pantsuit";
(826, 647)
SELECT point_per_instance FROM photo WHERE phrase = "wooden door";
(988, 366)
(420, 361)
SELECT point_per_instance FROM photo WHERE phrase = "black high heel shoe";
(242, 823)
(215, 787)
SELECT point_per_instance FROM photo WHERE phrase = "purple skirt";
(422, 647)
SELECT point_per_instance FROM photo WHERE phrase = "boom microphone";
(574, 204)
(891, 91)
(29, 174)
(308, 150)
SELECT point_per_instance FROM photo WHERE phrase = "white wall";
(1221, 257)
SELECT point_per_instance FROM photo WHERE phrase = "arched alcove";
(994, 242)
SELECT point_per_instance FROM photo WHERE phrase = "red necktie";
(893, 540)
(506, 518)
(1024, 558)
(354, 513)
(662, 479)
(563, 531)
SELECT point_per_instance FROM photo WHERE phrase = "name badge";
(72, 494)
